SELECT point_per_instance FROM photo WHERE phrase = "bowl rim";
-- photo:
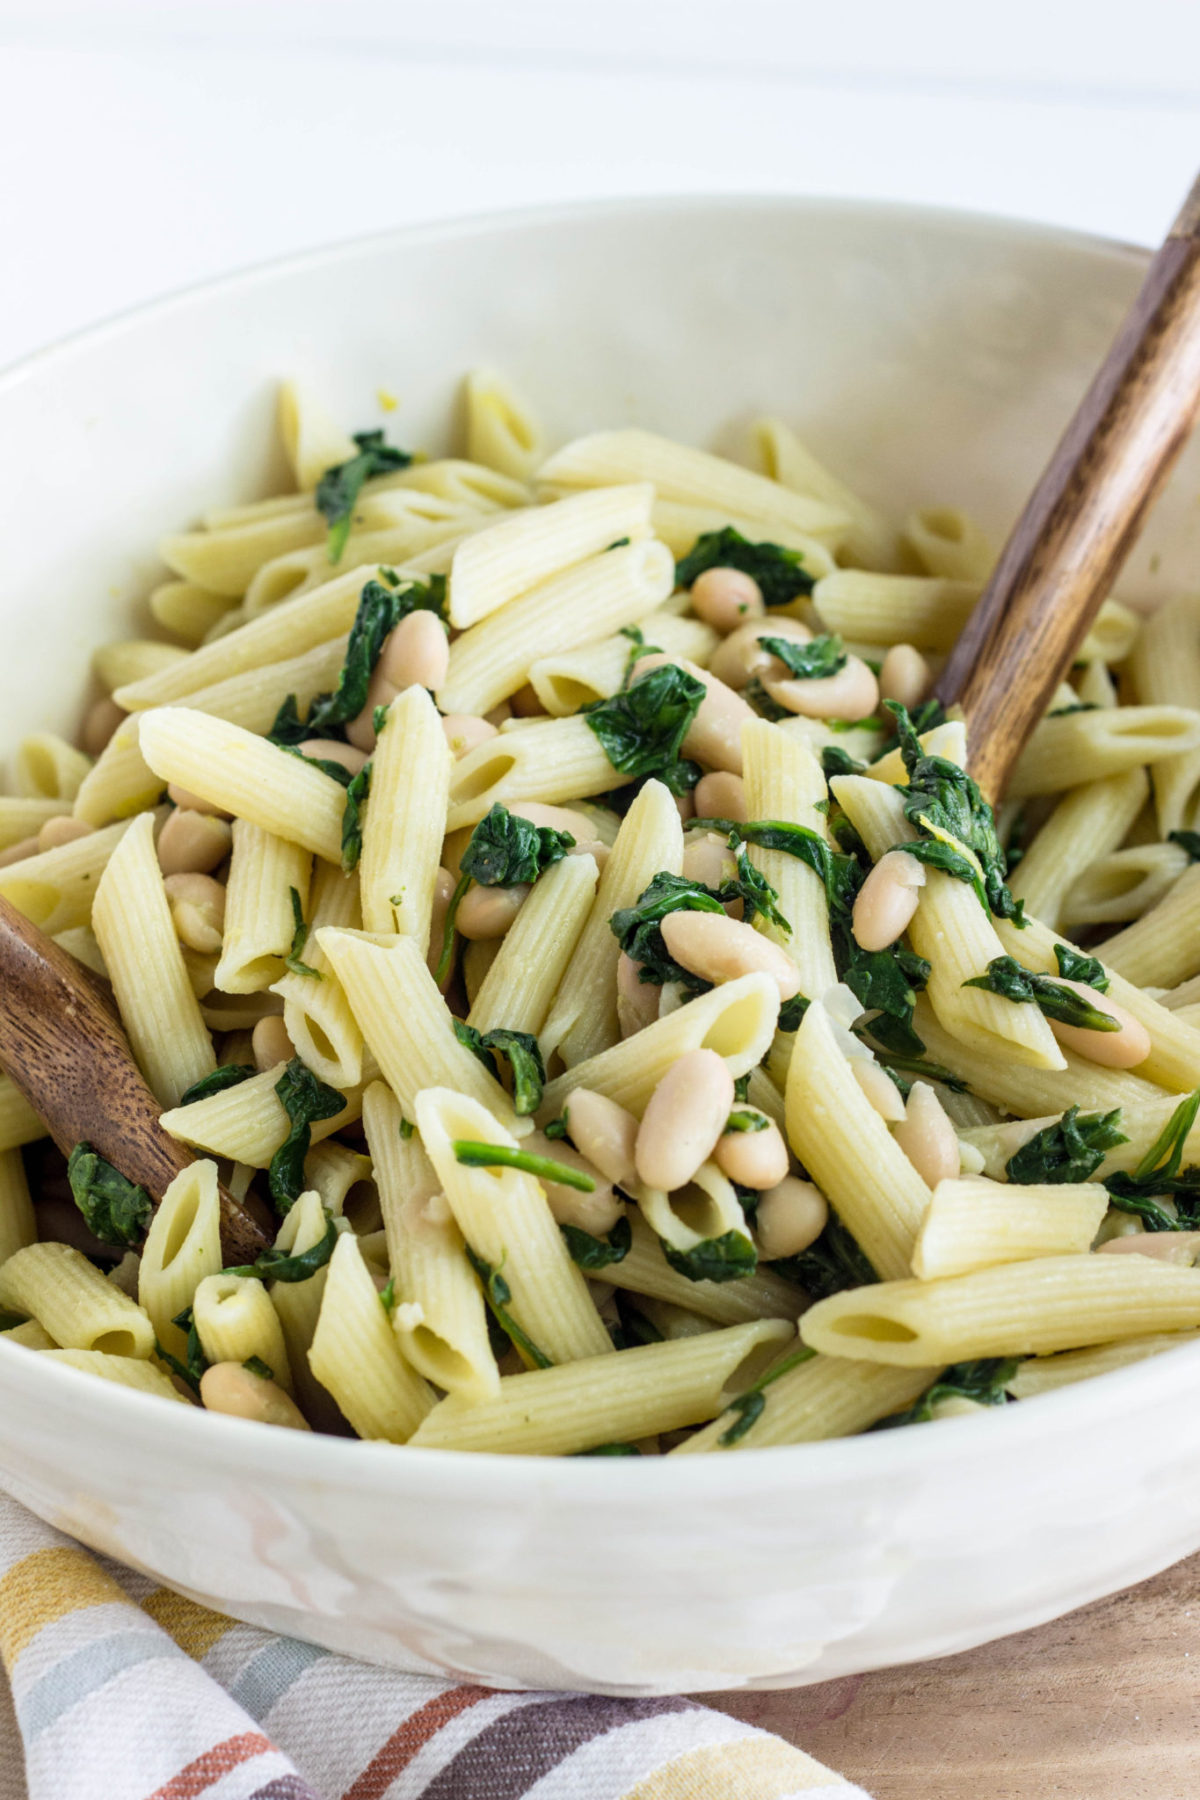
(244, 1447)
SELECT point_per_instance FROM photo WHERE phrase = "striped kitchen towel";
(122, 1690)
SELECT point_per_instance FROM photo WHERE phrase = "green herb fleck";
(501, 1156)
(778, 572)
(305, 1100)
(114, 1209)
(299, 939)
(339, 487)
(255, 1365)
(498, 1295)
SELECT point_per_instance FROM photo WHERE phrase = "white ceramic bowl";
(931, 357)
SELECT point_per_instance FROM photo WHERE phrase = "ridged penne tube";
(1088, 823)
(459, 480)
(183, 1246)
(1124, 884)
(503, 431)
(552, 762)
(253, 698)
(708, 1207)
(869, 540)
(132, 922)
(505, 1218)
(492, 659)
(405, 818)
(1112, 634)
(1071, 748)
(46, 767)
(235, 1320)
(680, 523)
(439, 1316)
(583, 1016)
(298, 1307)
(737, 1020)
(825, 1397)
(974, 1223)
(509, 556)
(189, 611)
(69, 1298)
(948, 542)
(286, 631)
(56, 888)
(1161, 949)
(1053, 1303)
(131, 659)
(22, 818)
(848, 1150)
(784, 781)
(948, 740)
(355, 1355)
(31, 1336)
(1166, 671)
(239, 773)
(126, 1371)
(405, 1022)
(264, 872)
(227, 558)
(316, 1014)
(426, 526)
(952, 930)
(525, 973)
(1046, 1374)
(1174, 1059)
(645, 1270)
(574, 678)
(604, 1400)
(333, 1171)
(18, 1224)
(1142, 1125)
(1031, 1093)
(607, 458)
(19, 1124)
(119, 783)
(312, 441)
(247, 1123)
(922, 610)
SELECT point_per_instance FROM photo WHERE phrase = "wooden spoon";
(63, 1047)
(1084, 514)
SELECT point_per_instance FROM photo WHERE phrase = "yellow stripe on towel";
(750, 1769)
(46, 1586)
(194, 1628)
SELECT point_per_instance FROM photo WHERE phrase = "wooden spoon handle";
(64, 1049)
(1082, 518)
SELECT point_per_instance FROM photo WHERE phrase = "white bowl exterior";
(933, 358)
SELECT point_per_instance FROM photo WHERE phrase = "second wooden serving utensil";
(1083, 516)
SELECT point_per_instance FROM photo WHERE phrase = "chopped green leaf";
(836, 761)
(984, 1381)
(1074, 966)
(1187, 840)
(831, 1264)
(407, 1130)
(1158, 1176)
(726, 1258)
(814, 661)
(387, 1296)
(747, 1121)
(1070, 1150)
(278, 1265)
(356, 795)
(1060, 712)
(339, 487)
(255, 1365)
(778, 572)
(1008, 978)
(558, 1128)
(498, 1295)
(305, 1100)
(642, 730)
(227, 1076)
(114, 1209)
(597, 1253)
(519, 1049)
(194, 1360)
(501, 1156)
(299, 939)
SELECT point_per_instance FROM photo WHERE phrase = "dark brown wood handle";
(62, 1046)
(1083, 516)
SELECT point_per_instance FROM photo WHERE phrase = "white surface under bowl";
(932, 358)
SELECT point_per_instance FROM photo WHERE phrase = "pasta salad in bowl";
(536, 879)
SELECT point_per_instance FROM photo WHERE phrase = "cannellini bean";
(1165, 1246)
(887, 900)
(707, 858)
(443, 890)
(417, 653)
(754, 1159)
(17, 852)
(331, 750)
(637, 1000)
(725, 598)
(683, 1119)
(904, 676)
(227, 1387)
(721, 796)
(722, 949)
(62, 831)
(596, 1212)
(685, 806)
(464, 732)
(853, 693)
(198, 910)
(555, 818)
(380, 692)
(927, 1137)
(604, 1133)
(741, 655)
(193, 842)
(270, 1043)
(102, 720)
(879, 1088)
(1122, 1049)
(186, 801)
(714, 737)
(790, 1217)
(487, 912)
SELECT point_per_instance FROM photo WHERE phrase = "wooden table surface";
(1101, 1705)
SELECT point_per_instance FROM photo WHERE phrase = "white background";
(146, 144)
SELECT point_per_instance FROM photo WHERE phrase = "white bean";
(714, 737)
(101, 722)
(189, 802)
(927, 1137)
(62, 830)
(887, 900)
(198, 910)
(227, 1387)
(465, 732)
(193, 842)
(904, 676)
(1121, 1049)
(790, 1217)
(754, 1159)
(707, 858)
(596, 1212)
(683, 1119)
(270, 1043)
(1165, 1246)
(637, 1000)
(605, 1133)
(722, 949)
(721, 796)
(879, 1088)
(16, 853)
(487, 912)
(741, 655)
(853, 693)
(725, 598)
(417, 653)
(331, 750)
